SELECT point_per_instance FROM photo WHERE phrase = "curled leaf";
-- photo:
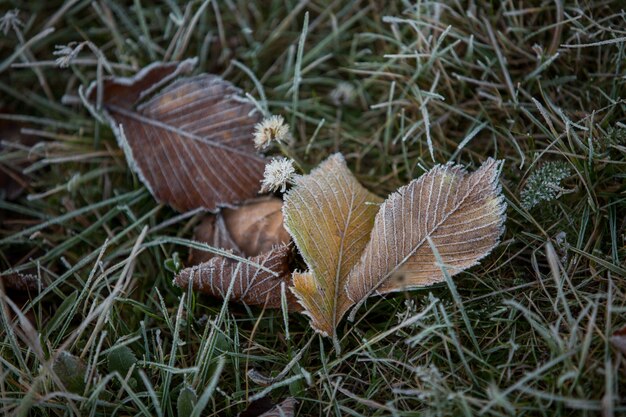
(189, 140)
(329, 215)
(213, 231)
(257, 227)
(462, 213)
(256, 282)
(248, 230)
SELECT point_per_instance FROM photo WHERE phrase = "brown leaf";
(212, 231)
(21, 282)
(189, 140)
(257, 281)
(249, 230)
(257, 227)
(463, 215)
(330, 215)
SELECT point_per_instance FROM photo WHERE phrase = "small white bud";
(343, 94)
(278, 173)
(270, 129)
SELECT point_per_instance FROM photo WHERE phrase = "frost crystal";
(278, 173)
(544, 184)
(272, 128)
(66, 53)
(410, 309)
(9, 21)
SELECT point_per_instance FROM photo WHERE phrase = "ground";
(397, 87)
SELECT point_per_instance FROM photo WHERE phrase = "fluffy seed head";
(271, 128)
(343, 94)
(278, 173)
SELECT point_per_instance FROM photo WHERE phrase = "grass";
(526, 333)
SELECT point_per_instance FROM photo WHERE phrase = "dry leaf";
(462, 213)
(329, 215)
(257, 227)
(212, 231)
(353, 253)
(249, 230)
(257, 282)
(21, 282)
(254, 231)
(189, 140)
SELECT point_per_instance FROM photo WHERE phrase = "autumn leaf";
(248, 230)
(354, 249)
(463, 215)
(255, 233)
(188, 138)
(256, 282)
(21, 281)
(212, 231)
(258, 226)
(330, 216)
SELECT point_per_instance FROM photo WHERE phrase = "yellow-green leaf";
(330, 216)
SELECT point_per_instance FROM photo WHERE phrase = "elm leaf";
(463, 215)
(355, 248)
(329, 216)
(188, 138)
(256, 282)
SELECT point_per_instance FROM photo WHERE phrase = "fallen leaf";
(212, 231)
(330, 216)
(257, 227)
(249, 230)
(354, 249)
(21, 281)
(257, 281)
(189, 140)
(463, 214)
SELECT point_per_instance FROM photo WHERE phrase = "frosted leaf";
(329, 215)
(463, 215)
(189, 140)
